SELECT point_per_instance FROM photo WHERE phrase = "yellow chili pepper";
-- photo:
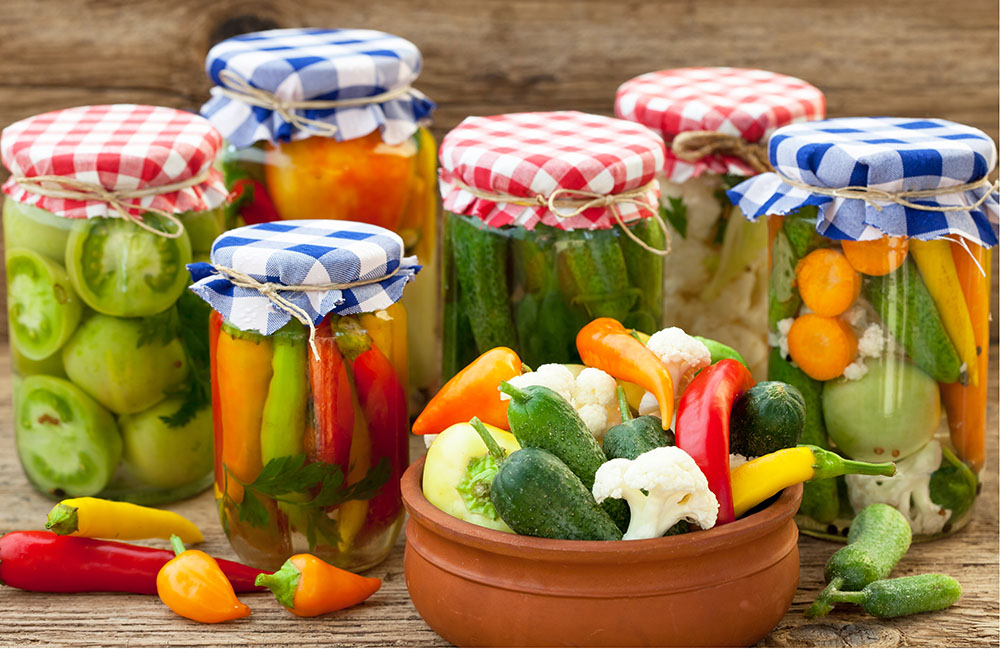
(351, 515)
(308, 586)
(108, 519)
(193, 585)
(761, 478)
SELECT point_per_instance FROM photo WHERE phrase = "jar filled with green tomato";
(311, 432)
(550, 222)
(881, 232)
(105, 207)
(715, 121)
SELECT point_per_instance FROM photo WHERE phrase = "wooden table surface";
(389, 618)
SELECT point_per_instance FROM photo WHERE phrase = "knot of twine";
(236, 87)
(692, 146)
(566, 203)
(272, 291)
(65, 187)
(873, 195)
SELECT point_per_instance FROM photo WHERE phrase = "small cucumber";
(633, 437)
(536, 494)
(783, 299)
(645, 272)
(800, 228)
(908, 595)
(766, 418)
(904, 304)
(598, 269)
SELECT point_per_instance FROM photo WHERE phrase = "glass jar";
(311, 427)
(109, 349)
(879, 323)
(369, 160)
(715, 279)
(527, 264)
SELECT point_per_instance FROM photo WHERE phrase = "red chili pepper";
(702, 427)
(332, 403)
(45, 562)
(258, 208)
(214, 327)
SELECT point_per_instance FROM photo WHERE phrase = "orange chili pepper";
(193, 585)
(607, 345)
(308, 586)
(966, 405)
(473, 392)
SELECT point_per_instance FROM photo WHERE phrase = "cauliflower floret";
(908, 490)
(872, 341)
(855, 370)
(593, 393)
(682, 355)
(735, 460)
(779, 339)
(428, 440)
(661, 486)
(856, 316)
(554, 376)
(648, 405)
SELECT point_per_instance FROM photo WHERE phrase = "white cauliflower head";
(908, 490)
(593, 393)
(675, 488)
(553, 376)
(682, 355)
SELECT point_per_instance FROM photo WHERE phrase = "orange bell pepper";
(473, 392)
(193, 585)
(307, 586)
(606, 344)
(966, 405)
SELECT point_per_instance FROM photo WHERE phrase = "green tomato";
(27, 226)
(109, 359)
(163, 456)
(446, 465)
(53, 365)
(203, 228)
(120, 269)
(42, 306)
(886, 415)
(67, 443)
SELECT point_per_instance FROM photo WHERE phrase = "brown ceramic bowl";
(727, 586)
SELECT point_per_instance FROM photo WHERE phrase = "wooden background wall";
(891, 57)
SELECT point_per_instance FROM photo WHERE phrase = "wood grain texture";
(389, 619)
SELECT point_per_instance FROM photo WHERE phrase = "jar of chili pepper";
(325, 123)
(104, 207)
(714, 120)
(881, 232)
(308, 345)
(550, 222)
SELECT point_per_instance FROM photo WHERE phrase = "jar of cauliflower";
(881, 232)
(712, 120)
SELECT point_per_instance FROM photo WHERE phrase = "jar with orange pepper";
(308, 353)
(325, 124)
(880, 307)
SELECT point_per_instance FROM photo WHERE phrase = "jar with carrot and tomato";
(104, 207)
(550, 222)
(309, 349)
(715, 121)
(881, 233)
(325, 124)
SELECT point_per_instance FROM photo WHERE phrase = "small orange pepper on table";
(308, 587)
(193, 585)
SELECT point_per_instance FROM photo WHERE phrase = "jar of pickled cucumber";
(104, 207)
(325, 124)
(881, 232)
(308, 341)
(550, 222)
(714, 120)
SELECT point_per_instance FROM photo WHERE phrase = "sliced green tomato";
(27, 226)
(167, 457)
(109, 358)
(42, 306)
(203, 228)
(68, 444)
(120, 269)
(24, 366)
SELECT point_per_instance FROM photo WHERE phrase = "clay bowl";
(727, 586)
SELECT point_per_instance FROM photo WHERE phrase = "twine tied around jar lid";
(563, 206)
(692, 146)
(236, 87)
(118, 199)
(271, 290)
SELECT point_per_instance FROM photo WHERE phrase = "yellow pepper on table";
(107, 519)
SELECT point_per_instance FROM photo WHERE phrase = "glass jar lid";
(290, 84)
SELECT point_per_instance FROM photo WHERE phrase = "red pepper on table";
(257, 207)
(702, 426)
(332, 403)
(46, 562)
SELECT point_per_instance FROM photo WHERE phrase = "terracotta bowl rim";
(740, 532)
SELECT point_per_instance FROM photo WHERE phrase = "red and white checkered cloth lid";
(735, 101)
(119, 147)
(531, 155)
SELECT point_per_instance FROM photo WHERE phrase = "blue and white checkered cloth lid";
(295, 253)
(892, 154)
(317, 65)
